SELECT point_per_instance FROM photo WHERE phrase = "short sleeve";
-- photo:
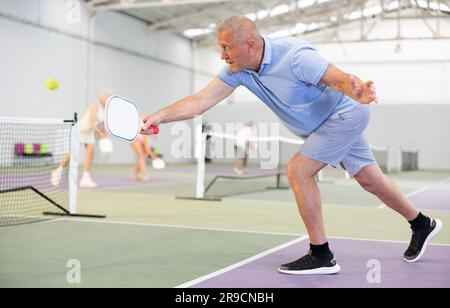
(308, 65)
(228, 77)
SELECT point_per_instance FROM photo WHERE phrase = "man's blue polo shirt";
(289, 84)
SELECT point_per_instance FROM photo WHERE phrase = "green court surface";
(112, 255)
(152, 239)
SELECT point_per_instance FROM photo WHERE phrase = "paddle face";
(122, 119)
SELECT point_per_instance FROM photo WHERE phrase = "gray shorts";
(340, 140)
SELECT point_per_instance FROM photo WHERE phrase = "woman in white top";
(92, 123)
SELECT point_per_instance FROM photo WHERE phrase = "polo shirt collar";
(267, 58)
(267, 52)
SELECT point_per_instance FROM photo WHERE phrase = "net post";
(278, 186)
(73, 167)
(200, 150)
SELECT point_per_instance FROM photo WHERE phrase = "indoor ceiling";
(197, 19)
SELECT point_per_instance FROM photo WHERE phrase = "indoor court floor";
(150, 238)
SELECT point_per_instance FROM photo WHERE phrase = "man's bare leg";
(301, 174)
(372, 179)
(320, 260)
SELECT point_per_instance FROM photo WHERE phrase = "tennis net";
(38, 169)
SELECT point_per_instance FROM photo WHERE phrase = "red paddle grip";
(154, 129)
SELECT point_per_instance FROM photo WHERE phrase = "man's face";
(235, 54)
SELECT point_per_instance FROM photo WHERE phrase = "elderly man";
(318, 102)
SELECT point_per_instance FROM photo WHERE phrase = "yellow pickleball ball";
(52, 84)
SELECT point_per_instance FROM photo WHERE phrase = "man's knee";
(292, 170)
(297, 169)
(372, 184)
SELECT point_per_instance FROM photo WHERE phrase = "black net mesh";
(34, 156)
(264, 168)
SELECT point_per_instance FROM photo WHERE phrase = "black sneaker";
(420, 240)
(311, 265)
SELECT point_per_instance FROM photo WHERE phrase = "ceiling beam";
(203, 16)
(322, 14)
(139, 4)
(227, 9)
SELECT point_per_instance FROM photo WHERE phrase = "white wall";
(424, 127)
(155, 69)
(37, 42)
(419, 74)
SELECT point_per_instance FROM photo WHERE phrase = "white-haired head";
(241, 44)
(240, 27)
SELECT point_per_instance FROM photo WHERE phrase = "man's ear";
(250, 45)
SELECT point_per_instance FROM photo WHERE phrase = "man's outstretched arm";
(190, 106)
(352, 86)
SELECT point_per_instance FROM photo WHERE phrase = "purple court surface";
(41, 181)
(121, 181)
(432, 199)
(359, 260)
(38, 180)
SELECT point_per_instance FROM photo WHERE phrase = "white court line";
(240, 263)
(381, 241)
(415, 192)
(230, 230)
(179, 227)
(137, 185)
